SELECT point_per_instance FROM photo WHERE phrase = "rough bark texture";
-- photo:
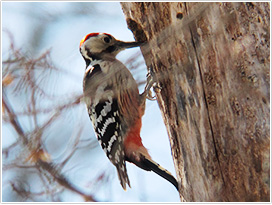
(212, 63)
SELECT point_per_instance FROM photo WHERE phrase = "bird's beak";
(123, 45)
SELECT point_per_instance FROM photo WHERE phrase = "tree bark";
(211, 61)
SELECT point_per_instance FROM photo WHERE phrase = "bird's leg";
(150, 82)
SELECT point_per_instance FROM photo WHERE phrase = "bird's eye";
(106, 39)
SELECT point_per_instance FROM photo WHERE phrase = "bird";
(115, 105)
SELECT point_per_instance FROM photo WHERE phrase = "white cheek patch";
(84, 53)
(95, 45)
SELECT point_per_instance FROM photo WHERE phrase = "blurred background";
(45, 120)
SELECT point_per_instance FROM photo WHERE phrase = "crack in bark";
(205, 100)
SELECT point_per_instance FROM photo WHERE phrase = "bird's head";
(102, 46)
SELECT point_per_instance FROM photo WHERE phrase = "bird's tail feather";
(158, 169)
(123, 177)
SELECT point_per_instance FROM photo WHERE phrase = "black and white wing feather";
(104, 114)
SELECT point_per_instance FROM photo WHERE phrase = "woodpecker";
(115, 106)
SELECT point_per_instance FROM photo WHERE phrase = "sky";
(59, 26)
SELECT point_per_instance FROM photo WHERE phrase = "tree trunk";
(211, 61)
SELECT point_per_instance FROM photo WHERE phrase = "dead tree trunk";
(212, 63)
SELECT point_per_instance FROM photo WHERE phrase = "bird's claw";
(150, 97)
(151, 82)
